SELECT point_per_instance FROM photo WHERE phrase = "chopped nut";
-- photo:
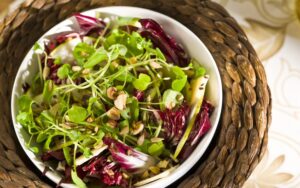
(113, 113)
(90, 119)
(86, 71)
(76, 68)
(163, 164)
(61, 166)
(155, 65)
(145, 174)
(154, 169)
(133, 60)
(120, 101)
(124, 131)
(137, 127)
(112, 123)
(129, 152)
(156, 139)
(110, 172)
(126, 176)
(115, 64)
(111, 92)
(65, 126)
(96, 129)
(141, 139)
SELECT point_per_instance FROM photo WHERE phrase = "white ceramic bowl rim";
(172, 27)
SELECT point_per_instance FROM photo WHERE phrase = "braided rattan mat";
(241, 138)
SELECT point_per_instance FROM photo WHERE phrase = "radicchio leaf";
(67, 177)
(167, 44)
(53, 155)
(139, 95)
(201, 127)
(108, 172)
(89, 24)
(174, 123)
(129, 159)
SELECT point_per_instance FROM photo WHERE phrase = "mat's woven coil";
(241, 138)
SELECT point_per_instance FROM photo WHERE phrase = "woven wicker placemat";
(242, 134)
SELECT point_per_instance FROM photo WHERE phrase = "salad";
(117, 102)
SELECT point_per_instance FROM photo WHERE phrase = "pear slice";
(154, 178)
(198, 91)
(65, 50)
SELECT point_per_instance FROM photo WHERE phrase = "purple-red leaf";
(108, 172)
(201, 127)
(139, 95)
(89, 24)
(53, 155)
(174, 123)
(129, 159)
(167, 44)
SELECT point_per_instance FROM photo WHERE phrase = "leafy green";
(25, 118)
(37, 48)
(125, 75)
(83, 52)
(127, 21)
(171, 98)
(24, 103)
(134, 42)
(134, 108)
(179, 84)
(42, 136)
(67, 155)
(142, 82)
(77, 180)
(48, 91)
(57, 61)
(77, 114)
(156, 149)
(96, 58)
(117, 50)
(198, 69)
(180, 78)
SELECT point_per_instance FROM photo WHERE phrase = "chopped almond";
(113, 113)
(111, 92)
(120, 101)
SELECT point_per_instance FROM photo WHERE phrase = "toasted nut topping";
(141, 139)
(124, 131)
(61, 166)
(120, 101)
(113, 113)
(155, 65)
(163, 164)
(156, 139)
(133, 60)
(115, 64)
(111, 92)
(110, 172)
(126, 176)
(137, 127)
(76, 68)
(86, 71)
(154, 169)
(90, 119)
(145, 174)
(112, 123)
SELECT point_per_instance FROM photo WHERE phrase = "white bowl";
(191, 43)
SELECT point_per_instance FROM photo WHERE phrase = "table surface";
(273, 28)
